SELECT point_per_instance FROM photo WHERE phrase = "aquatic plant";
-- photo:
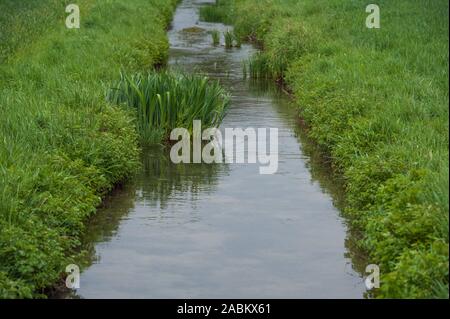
(257, 67)
(215, 34)
(229, 37)
(166, 100)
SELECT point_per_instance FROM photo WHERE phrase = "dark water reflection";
(225, 231)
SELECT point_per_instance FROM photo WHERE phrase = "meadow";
(62, 145)
(376, 101)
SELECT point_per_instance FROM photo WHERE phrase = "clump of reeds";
(215, 34)
(166, 100)
(258, 67)
(229, 37)
(232, 39)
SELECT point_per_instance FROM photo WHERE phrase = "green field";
(62, 147)
(376, 100)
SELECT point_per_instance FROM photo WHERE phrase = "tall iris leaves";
(165, 100)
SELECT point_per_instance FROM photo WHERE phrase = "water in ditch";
(224, 230)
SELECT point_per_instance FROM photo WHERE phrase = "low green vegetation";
(377, 101)
(229, 37)
(232, 40)
(215, 35)
(166, 100)
(258, 67)
(219, 11)
(62, 145)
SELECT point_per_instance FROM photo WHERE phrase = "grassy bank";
(377, 101)
(62, 145)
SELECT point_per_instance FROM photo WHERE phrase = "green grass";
(377, 102)
(258, 67)
(232, 40)
(62, 146)
(220, 11)
(28, 18)
(215, 35)
(165, 100)
(229, 37)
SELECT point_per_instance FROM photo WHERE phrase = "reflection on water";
(224, 231)
(158, 184)
(162, 181)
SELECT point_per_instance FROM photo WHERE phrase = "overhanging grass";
(62, 145)
(377, 101)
